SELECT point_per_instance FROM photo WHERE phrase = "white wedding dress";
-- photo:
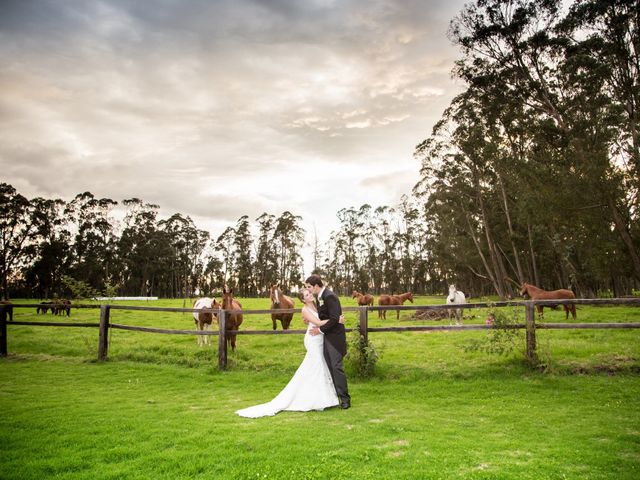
(311, 387)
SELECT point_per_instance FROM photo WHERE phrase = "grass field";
(160, 409)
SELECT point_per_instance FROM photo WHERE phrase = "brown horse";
(234, 320)
(393, 300)
(62, 306)
(279, 301)
(536, 293)
(363, 298)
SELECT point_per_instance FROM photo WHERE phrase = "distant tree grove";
(532, 174)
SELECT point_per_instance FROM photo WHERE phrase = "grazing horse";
(279, 301)
(44, 307)
(393, 300)
(204, 320)
(8, 308)
(363, 298)
(60, 307)
(536, 293)
(455, 297)
(234, 320)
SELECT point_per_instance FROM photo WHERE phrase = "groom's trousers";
(334, 361)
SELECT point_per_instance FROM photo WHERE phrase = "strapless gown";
(310, 388)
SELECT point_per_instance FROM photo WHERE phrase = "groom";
(335, 340)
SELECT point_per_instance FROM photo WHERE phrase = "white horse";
(456, 297)
(204, 319)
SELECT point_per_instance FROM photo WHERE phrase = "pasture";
(159, 408)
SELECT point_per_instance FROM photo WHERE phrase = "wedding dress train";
(310, 388)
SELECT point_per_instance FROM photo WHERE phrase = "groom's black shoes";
(345, 403)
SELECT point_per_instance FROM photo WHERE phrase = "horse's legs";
(199, 328)
(207, 338)
(273, 319)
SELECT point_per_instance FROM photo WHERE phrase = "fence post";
(103, 336)
(3, 330)
(364, 323)
(222, 339)
(531, 355)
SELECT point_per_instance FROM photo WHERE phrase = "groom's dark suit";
(335, 342)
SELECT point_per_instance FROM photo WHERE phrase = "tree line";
(531, 174)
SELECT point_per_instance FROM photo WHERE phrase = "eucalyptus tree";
(603, 50)
(384, 220)
(244, 262)
(350, 233)
(288, 238)
(187, 245)
(368, 275)
(266, 264)
(225, 247)
(519, 44)
(17, 230)
(334, 264)
(451, 187)
(51, 248)
(143, 248)
(412, 254)
(94, 240)
(212, 278)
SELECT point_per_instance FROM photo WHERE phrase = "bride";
(311, 387)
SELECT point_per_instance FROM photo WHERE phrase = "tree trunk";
(480, 254)
(516, 257)
(499, 282)
(534, 265)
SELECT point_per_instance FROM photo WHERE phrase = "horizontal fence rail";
(530, 324)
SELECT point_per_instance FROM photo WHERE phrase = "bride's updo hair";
(301, 293)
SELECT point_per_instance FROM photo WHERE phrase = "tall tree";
(244, 263)
(94, 240)
(16, 232)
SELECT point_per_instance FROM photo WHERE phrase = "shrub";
(362, 355)
(503, 337)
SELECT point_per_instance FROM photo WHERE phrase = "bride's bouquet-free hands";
(316, 330)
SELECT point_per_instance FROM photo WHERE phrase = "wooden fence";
(530, 324)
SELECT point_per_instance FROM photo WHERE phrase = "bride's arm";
(309, 317)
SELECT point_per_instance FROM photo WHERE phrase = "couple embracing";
(320, 381)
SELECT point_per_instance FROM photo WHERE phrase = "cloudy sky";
(217, 109)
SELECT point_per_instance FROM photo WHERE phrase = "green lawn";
(159, 408)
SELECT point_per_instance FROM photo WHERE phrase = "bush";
(503, 337)
(362, 355)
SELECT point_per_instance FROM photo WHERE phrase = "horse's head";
(354, 294)
(410, 296)
(215, 306)
(524, 289)
(274, 294)
(452, 294)
(227, 299)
